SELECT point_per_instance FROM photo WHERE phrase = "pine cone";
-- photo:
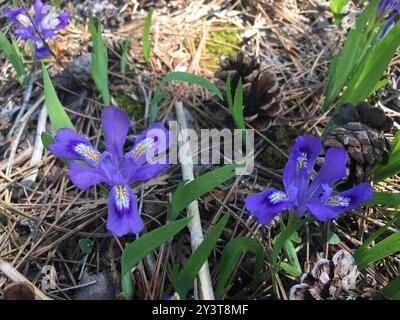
(76, 73)
(261, 92)
(360, 130)
(336, 279)
(103, 11)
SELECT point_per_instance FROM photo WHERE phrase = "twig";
(38, 147)
(204, 285)
(15, 276)
(27, 97)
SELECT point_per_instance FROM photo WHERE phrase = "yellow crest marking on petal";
(142, 147)
(337, 201)
(302, 161)
(88, 152)
(122, 199)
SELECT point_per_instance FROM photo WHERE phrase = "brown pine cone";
(261, 93)
(360, 130)
(103, 11)
(336, 279)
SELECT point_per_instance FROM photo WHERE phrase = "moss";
(283, 137)
(221, 43)
(132, 107)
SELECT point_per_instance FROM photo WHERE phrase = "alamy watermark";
(209, 146)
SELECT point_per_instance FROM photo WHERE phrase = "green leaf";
(393, 166)
(158, 96)
(192, 78)
(337, 7)
(124, 56)
(354, 50)
(99, 68)
(146, 37)
(58, 117)
(86, 245)
(367, 77)
(12, 53)
(279, 244)
(238, 107)
(230, 259)
(46, 139)
(388, 199)
(365, 256)
(333, 238)
(392, 290)
(147, 243)
(379, 86)
(187, 276)
(187, 192)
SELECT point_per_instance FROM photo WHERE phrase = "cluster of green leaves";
(358, 68)
(13, 54)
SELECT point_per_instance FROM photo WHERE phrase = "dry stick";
(204, 284)
(15, 276)
(27, 97)
(38, 147)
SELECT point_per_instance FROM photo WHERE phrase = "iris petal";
(69, 144)
(333, 170)
(267, 204)
(155, 140)
(116, 125)
(123, 215)
(84, 177)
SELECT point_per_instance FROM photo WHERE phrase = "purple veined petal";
(321, 211)
(123, 215)
(19, 16)
(69, 144)
(116, 125)
(84, 176)
(332, 170)
(384, 7)
(350, 199)
(267, 204)
(63, 18)
(148, 171)
(302, 157)
(41, 50)
(330, 207)
(26, 33)
(109, 164)
(154, 140)
(390, 22)
(38, 7)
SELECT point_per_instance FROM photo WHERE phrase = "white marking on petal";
(24, 20)
(277, 197)
(121, 198)
(143, 146)
(302, 161)
(50, 21)
(87, 152)
(337, 201)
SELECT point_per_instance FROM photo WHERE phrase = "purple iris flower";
(302, 196)
(113, 167)
(46, 20)
(386, 6)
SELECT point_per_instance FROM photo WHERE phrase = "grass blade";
(192, 78)
(99, 68)
(138, 249)
(187, 276)
(58, 117)
(230, 258)
(187, 192)
(146, 37)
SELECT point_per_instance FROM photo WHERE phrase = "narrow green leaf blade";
(230, 258)
(146, 37)
(138, 249)
(187, 192)
(199, 257)
(158, 96)
(392, 290)
(192, 78)
(58, 117)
